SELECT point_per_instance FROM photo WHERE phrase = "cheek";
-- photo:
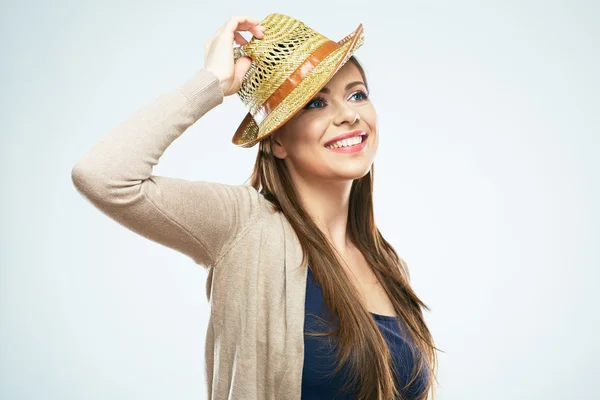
(370, 116)
(304, 145)
(308, 132)
(315, 128)
(372, 122)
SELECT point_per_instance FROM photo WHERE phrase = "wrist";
(220, 81)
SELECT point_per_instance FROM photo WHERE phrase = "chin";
(354, 173)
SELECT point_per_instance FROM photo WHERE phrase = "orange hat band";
(293, 80)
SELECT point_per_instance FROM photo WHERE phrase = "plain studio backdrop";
(487, 183)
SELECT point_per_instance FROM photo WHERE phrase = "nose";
(346, 114)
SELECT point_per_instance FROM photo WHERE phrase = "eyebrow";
(348, 86)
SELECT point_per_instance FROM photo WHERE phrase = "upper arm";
(197, 218)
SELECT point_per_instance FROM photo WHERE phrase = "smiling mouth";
(348, 143)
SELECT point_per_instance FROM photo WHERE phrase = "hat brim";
(249, 133)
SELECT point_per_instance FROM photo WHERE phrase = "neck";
(327, 203)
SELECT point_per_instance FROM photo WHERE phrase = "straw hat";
(290, 64)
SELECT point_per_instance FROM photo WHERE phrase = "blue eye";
(362, 94)
(315, 100)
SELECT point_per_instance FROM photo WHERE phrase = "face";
(304, 142)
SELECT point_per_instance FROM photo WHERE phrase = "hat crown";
(286, 44)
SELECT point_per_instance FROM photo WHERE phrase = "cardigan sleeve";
(196, 218)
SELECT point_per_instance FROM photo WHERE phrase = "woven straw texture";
(287, 43)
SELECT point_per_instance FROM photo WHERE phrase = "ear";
(276, 145)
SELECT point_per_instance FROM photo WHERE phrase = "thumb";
(242, 65)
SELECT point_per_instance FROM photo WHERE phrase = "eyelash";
(361, 92)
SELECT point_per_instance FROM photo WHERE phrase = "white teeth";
(346, 142)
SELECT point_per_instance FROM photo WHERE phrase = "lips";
(347, 135)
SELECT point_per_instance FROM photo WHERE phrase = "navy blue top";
(319, 357)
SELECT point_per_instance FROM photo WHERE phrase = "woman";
(307, 298)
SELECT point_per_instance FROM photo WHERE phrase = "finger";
(258, 31)
(241, 67)
(241, 23)
(239, 39)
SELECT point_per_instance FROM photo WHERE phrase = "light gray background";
(486, 183)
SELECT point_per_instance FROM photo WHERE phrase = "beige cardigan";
(255, 336)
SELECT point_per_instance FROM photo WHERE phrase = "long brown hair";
(360, 342)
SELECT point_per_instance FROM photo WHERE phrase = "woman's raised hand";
(218, 52)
